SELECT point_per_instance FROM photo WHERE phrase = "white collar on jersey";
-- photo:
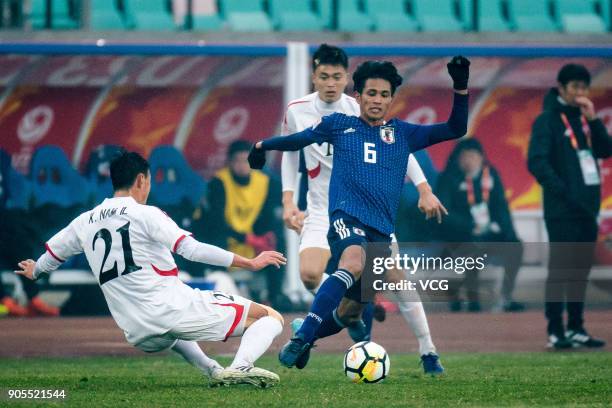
(327, 108)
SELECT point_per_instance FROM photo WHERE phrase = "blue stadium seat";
(15, 190)
(149, 15)
(20, 191)
(579, 16)
(352, 18)
(173, 180)
(491, 17)
(55, 181)
(205, 15)
(60, 15)
(325, 9)
(296, 15)
(390, 15)
(531, 16)
(245, 15)
(106, 16)
(436, 15)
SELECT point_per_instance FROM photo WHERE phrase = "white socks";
(323, 279)
(414, 314)
(191, 351)
(256, 340)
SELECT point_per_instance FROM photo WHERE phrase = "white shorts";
(212, 316)
(314, 232)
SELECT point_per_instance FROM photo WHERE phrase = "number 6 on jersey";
(369, 154)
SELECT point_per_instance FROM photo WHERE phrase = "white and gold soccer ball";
(366, 362)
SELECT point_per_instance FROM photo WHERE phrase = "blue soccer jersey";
(370, 161)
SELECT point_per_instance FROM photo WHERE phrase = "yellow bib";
(243, 203)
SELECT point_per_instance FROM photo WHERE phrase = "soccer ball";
(366, 362)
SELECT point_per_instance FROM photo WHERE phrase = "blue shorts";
(344, 231)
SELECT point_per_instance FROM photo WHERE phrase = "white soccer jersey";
(128, 249)
(303, 113)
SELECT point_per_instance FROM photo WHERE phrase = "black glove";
(257, 158)
(459, 70)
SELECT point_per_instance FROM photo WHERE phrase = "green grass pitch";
(495, 380)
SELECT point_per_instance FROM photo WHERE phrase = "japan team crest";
(387, 134)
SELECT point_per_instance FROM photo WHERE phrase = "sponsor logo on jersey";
(387, 134)
(349, 130)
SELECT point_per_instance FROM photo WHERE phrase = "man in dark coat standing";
(566, 141)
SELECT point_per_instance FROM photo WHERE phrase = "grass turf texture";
(509, 379)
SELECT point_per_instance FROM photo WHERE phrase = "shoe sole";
(553, 347)
(258, 379)
(576, 344)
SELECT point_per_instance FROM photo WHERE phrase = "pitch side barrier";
(104, 47)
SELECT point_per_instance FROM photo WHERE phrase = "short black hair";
(329, 55)
(378, 70)
(125, 168)
(237, 147)
(573, 72)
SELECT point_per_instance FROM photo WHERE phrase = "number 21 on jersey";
(369, 154)
(128, 259)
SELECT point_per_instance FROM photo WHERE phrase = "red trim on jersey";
(178, 241)
(239, 312)
(171, 272)
(315, 172)
(52, 254)
(295, 103)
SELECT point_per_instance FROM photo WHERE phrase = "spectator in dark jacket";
(566, 141)
(473, 193)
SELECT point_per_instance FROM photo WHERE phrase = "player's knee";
(353, 265)
(273, 314)
(310, 277)
(276, 315)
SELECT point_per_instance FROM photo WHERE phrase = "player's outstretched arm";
(296, 141)
(196, 251)
(33, 269)
(262, 260)
(60, 247)
(456, 125)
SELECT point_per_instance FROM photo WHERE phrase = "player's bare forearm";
(287, 198)
(262, 260)
(292, 216)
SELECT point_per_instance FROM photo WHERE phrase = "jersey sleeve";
(164, 230)
(290, 162)
(422, 136)
(414, 171)
(323, 131)
(65, 243)
(288, 123)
